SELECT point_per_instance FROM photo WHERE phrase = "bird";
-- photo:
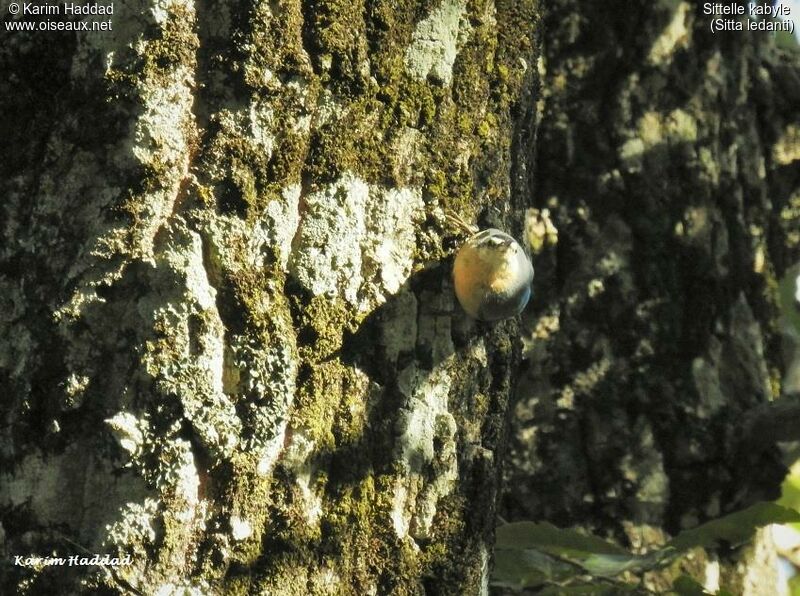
(492, 276)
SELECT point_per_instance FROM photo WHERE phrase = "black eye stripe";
(491, 237)
(496, 241)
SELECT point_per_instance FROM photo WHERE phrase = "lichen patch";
(426, 450)
(435, 43)
(356, 240)
(675, 36)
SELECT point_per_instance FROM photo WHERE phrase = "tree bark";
(229, 344)
(669, 167)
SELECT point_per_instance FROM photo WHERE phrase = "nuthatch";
(492, 276)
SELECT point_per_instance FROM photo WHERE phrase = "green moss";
(355, 544)
(359, 526)
(503, 73)
(322, 322)
(265, 309)
(335, 31)
(446, 576)
(175, 48)
(247, 495)
(244, 179)
(275, 43)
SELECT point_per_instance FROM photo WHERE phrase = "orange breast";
(471, 279)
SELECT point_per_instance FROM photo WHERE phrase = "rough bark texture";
(228, 341)
(668, 161)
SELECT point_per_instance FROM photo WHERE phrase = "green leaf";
(587, 554)
(550, 539)
(586, 589)
(525, 568)
(611, 565)
(736, 528)
(533, 554)
(686, 585)
(794, 586)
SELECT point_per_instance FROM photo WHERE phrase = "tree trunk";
(229, 343)
(230, 348)
(669, 166)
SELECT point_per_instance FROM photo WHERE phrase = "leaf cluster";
(565, 561)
